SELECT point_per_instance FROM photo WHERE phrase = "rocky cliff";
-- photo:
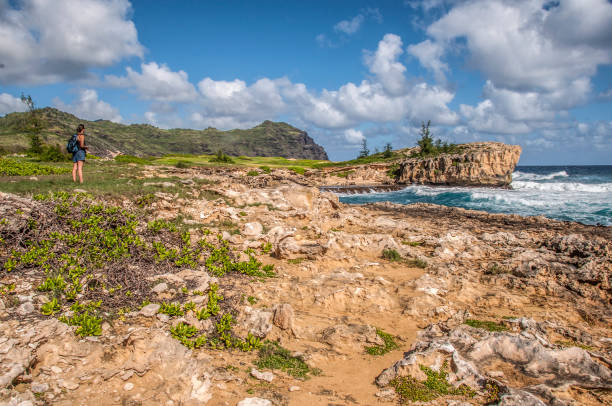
(478, 164)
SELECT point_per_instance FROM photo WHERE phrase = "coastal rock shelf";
(479, 164)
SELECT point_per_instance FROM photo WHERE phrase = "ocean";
(570, 193)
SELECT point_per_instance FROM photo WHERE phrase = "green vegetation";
(389, 344)
(54, 127)
(569, 343)
(273, 356)
(418, 263)
(297, 169)
(80, 248)
(131, 159)
(430, 148)
(391, 255)
(252, 173)
(411, 390)
(265, 169)
(10, 167)
(486, 325)
(221, 157)
(413, 243)
(343, 174)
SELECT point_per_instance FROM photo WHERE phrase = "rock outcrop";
(478, 164)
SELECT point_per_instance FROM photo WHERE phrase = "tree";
(388, 152)
(364, 149)
(32, 124)
(426, 142)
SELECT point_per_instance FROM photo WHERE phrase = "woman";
(78, 157)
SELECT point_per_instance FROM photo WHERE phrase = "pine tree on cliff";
(426, 142)
(364, 149)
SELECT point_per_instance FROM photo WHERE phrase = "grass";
(436, 385)
(273, 356)
(374, 158)
(389, 344)
(569, 343)
(486, 325)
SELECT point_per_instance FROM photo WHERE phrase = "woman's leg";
(80, 165)
(74, 171)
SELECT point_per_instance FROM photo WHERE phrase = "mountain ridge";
(107, 138)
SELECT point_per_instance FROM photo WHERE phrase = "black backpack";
(73, 144)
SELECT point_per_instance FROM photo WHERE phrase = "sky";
(537, 73)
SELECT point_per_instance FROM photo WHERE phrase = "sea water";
(572, 193)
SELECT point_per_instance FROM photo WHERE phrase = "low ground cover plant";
(104, 254)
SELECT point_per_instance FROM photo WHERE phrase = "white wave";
(513, 199)
(518, 175)
(562, 186)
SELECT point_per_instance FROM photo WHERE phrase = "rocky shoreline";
(493, 308)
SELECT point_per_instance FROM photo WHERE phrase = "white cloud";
(47, 41)
(429, 55)
(383, 63)
(518, 45)
(353, 136)
(156, 82)
(10, 104)
(87, 106)
(385, 97)
(350, 26)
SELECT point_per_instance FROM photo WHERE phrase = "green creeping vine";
(78, 246)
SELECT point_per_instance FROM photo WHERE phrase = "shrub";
(183, 164)
(486, 325)
(389, 345)
(265, 169)
(252, 173)
(430, 147)
(391, 255)
(221, 157)
(52, 154)
(273, 356)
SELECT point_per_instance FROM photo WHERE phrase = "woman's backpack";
(73, 144)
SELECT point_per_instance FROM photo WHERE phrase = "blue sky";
(534, 73)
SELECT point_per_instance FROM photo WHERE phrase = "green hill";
(105, 137)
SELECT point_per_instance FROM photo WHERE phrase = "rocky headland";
(488, 164)
(374, 304)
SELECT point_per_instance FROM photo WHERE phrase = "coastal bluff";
(478, 164)
(488, 164)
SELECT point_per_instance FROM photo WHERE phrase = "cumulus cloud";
(47, 41)
(156, 82)
(353, 136)
(384, 64)
(87, 106)
(386, 96)
(538, 57)
(429, 55)
(10, 104)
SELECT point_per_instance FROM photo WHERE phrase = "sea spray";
(572, 193)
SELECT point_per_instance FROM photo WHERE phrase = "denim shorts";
(78, 156)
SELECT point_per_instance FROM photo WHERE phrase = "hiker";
(78, 157)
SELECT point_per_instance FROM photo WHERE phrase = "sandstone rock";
(256, 321)
(25, 308)
(128, 386)
(160, 287)
(480, 164)
(283, 316)
(254, 402)
(37, 387)
(352, 338)
(252, 229)
(262, 376)
(294, 388)
(150, 310)
(471, 352)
